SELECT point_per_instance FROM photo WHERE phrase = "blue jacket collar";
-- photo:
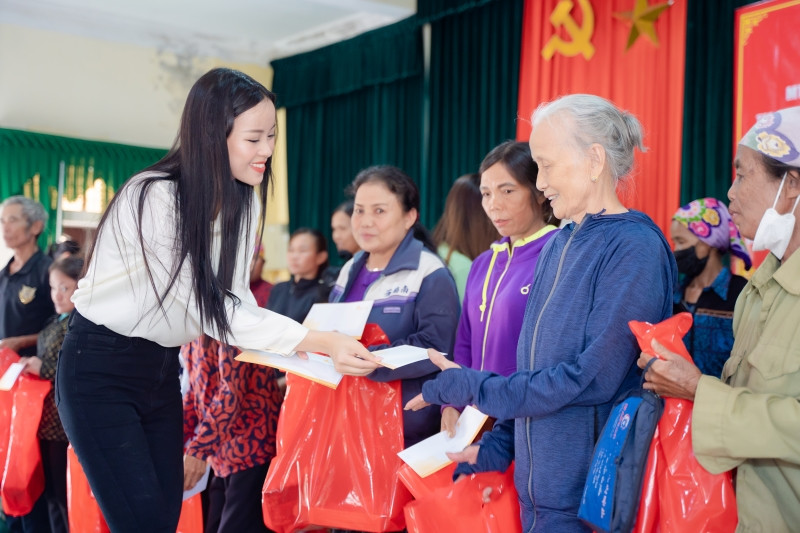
(406, 257)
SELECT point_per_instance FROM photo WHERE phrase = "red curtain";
(645, 79)
(766, 69)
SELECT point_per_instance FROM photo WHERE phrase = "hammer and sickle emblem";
(581, 35)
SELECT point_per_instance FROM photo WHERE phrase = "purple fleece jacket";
(494, 302)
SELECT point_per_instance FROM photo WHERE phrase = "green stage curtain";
(430, 10)
(348, 106)
(29, 165)
(707, 168)
(365, 101)
(474, 82)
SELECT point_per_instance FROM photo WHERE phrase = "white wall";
(67, 85)
(73, 86)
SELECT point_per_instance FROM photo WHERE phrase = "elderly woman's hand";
(440, 360)
(416, 403)
(671, 376)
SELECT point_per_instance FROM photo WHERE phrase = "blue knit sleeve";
(496, 450)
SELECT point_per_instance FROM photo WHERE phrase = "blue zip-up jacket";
(575, 355)
(415, 302)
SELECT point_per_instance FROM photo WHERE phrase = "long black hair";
(205, 190)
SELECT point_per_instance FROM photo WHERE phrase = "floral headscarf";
(709, 220)
(776, 135)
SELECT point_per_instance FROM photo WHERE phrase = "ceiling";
(253, 31)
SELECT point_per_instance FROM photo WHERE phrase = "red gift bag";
(84, 514)
(461, 507)
(7, 358)
(191, 520)
(336, 462)
(421, 487)
(23, 477)
(678, 493)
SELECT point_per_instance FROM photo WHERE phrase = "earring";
(594, 179)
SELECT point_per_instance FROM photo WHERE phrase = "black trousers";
(54, 463)
(119, 400)
(234, 502)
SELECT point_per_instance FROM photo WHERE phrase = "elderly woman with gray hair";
(749, 419)
(576, 353)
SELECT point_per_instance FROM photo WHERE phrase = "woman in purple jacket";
(500, 278)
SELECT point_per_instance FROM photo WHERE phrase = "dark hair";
(345, 207)
(516, 157)
(403, 187)
(320, 243)
(71, 266)
(464, 227)
(205, 190)
(775, 168)
(69, 246)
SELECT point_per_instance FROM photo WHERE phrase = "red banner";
(629, 51)
(767, 67)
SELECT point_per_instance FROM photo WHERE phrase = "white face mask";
(775, 231)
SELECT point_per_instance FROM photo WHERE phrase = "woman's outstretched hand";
(440, 360)
(349, 356)
(416, 403)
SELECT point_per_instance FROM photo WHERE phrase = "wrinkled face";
(508, 204)
(682, 238)
(342, 232)
(303, 259)
(752, 192)
(251, 142)
(564, 172)
(379, 222)
(16, 230)
(61, 289)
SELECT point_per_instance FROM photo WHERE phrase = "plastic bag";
(23, 477)
(461, 507)
(84, 514)
(678, 493)
(336, 462)
(7, 358)
(191, 520)
(421, 487)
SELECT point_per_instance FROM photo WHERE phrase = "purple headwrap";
(709, 220)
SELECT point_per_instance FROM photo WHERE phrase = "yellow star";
(642, 19)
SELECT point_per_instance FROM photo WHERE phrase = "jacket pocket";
(772, 361)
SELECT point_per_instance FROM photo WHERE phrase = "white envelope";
(348, 317)
(317, 368)
(11, 375)
(428, 456)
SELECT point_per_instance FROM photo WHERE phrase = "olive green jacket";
(750, 419)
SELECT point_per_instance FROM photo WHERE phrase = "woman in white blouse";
(170, 263)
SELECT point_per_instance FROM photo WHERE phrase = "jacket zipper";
(533, 349)
(491, 307)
